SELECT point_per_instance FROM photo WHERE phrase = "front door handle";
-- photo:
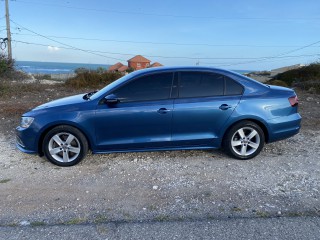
(163, 110)
(225, 107)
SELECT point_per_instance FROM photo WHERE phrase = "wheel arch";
(258, 122)
(49, 128)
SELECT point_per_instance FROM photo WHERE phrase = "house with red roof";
(116, 67)
(156, 64)
(137, 62)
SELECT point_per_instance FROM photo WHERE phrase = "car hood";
(63, 102)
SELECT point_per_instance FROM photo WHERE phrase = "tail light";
(293, 101)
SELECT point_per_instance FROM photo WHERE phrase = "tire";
(244, 140)
(65, 146)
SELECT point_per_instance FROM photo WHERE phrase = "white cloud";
(53, 49)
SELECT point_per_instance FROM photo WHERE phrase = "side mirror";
(111, 99)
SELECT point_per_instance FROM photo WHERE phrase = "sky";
(230, 34)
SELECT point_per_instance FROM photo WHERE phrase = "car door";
(142, 117)
(203, 106)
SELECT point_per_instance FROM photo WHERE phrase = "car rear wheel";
(244, 140)
(65, 146)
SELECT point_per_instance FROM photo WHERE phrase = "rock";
(155, 187)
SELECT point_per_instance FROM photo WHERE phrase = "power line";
(98, 53)
(272, 57)
(161, 43)
(190, 58)
(166, 15)
(64, 44)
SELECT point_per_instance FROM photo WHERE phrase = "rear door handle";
(163, 110)
(225, 107)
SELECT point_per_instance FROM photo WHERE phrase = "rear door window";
(202, 84)
(195, 84)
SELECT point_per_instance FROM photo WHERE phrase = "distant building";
(116, 67)
(138, 62)
(156, 64)
(277, 71)
(123, 68)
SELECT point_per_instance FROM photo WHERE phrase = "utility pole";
(8, 31)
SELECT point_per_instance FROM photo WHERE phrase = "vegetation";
(92, 79)
(130, 70)
(306, 78)
(8, 71)
(10, 89)
(5, 180)
(6, 65)
(42, 76)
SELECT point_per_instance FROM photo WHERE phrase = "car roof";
(179, 68)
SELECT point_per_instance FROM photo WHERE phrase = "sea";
(55, 67)
(66, 68)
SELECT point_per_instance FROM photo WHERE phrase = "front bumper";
(26, 140)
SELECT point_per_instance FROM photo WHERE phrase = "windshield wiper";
(88, 95)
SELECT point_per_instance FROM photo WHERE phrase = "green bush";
(6, 65)
(278, 83)
(92, 79)
(306, 78)
(303, 74)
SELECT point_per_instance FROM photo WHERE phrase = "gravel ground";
(283, 181)
(230, 229)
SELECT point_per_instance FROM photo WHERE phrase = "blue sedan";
(167, 108)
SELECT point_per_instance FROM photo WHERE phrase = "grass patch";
(37, 224)
(236, 209)
(13, 225)
(162, 218)
(262, 214)
(5, 180)
(295, 214)
(100, 219)
(13, 89)
(75, 221)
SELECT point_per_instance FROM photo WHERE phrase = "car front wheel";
(65, 146)
(244, 140)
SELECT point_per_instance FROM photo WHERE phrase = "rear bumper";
(284, 127)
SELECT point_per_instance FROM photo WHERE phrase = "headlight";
(26, 122)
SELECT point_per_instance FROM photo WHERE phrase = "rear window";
(232, 87)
